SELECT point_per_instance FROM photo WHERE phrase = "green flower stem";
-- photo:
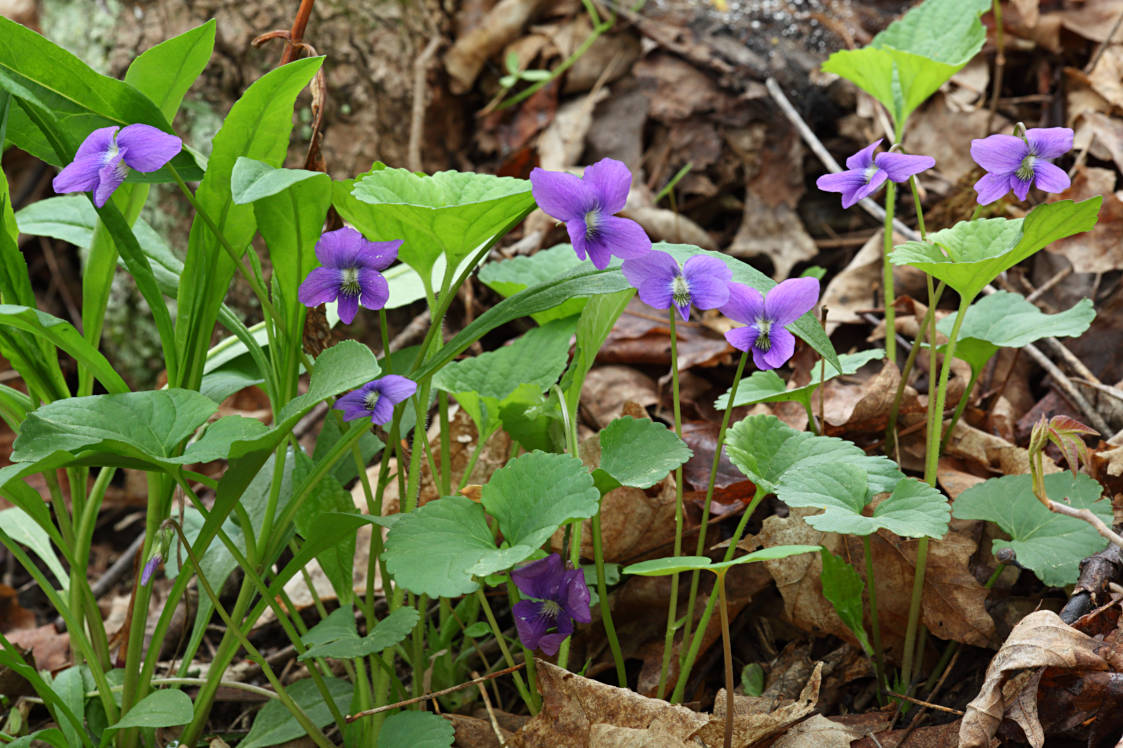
(520, 686)
(727, 652)
(446, 452)
(875, 621)
(605, 608)
(81, 599)
(919, 210)
(696, 642)
(887, 274)
(931, 463)
(573, 446)
(191, 733)
(474, 457)
(700, 549)
(921, 336)
(513, 597)
(961, 406)
(672, 603)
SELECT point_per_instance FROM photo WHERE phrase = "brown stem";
(296, 36)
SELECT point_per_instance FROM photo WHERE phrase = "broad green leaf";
(416, 730)
(257, 127)
(1052, 545)
(534, 360)
(450, 212)
(807, 327)
(534, 421)
(534, 494)
(389, 631)
(768, 387)
(764, 448)
(508, 277)
(439, 549)
(338, 624)
(843, 587)
(164, 708)
(51, 736)
(165, 72)
(68, 686)
(677, 564)
(15, 283)
(252, 180)
(586, 282)
(913, 509)
(19, 525)
(639, 452)
(910, 59)
(62, 335)
(274, 724)
(971, 254)
(1008, 320)
(125, 430)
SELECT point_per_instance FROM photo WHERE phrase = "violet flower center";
(680, 291)
(869, 172)
(1025, 170)
(550, 609)
(763, 342)
(371, 399)
(592, 223)
(349, 283)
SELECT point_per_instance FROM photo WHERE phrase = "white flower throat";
(349, 282)
(680, 291)
(763, 342)
(1025, 169)
(551, 608)
(371, 399)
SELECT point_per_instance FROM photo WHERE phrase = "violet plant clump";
(587, 205)
(350, 273)
(559, 597)
(106, 155)
(1020, 161)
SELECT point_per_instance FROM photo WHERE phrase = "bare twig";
(1090, 517)
(1095, 420)
(928, 704)
(490, 712)
(417, 117)
(1049, 284)
(425, 697)
(1106, 43)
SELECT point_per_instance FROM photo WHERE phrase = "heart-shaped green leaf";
(913, 509)
(1052, 545)
(534, 494)
(449, 212)
(1008, 320)
(439, 549)
(971, 254)
(767, 386)
(639, 452)
(347, 645)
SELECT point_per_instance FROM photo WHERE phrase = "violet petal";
(999, 153)
(147, 148)
(561, 195)
(80, 175)
(539, 578)
(577, 596)
(1050, 142)
(320, 287)
(879, 177)
(708, 279)
(900, 166)
(578, 238)
(790, 300)
(863, 158)
(1050, 177)
(339, 248)
(348, 307)
(97, 143)
(781, 348)
(375, 289)
(991, 187)
(110, 177)
(397, 388)
(378, 255)
(610, 181)
(383, 411)
(1020, 186)
(623, 237)
(745, 304)
(742, 338)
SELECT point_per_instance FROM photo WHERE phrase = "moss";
(83, 27)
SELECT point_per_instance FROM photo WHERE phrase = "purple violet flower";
(767, 318)
(865, 173)
(155, 561)
(105, 157)
(350, 272)
(1018, 162)
(587, 205)
(376, 399)
(702, 281)
(561, 597)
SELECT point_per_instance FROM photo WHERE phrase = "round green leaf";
(640, 452)
(764, 448)
(1052, 545)
(508, 277)
(439, 549)
(416, 730)
(533, 495)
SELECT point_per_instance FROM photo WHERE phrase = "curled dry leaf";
(758, 718)
(469, 53)
(1040, 640)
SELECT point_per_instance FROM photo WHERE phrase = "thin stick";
(417, 117)
(1088, 516)
(928, 704)
(490, 712)
(434, 694)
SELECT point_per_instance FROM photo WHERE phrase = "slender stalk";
(921, 336)
(530, 701)
(961, 406)
(672, 603)
(574, 448)
(728, 656)
(702, 526)
(605, 608)
(875, 621)
(696, 642)
(887, 274)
